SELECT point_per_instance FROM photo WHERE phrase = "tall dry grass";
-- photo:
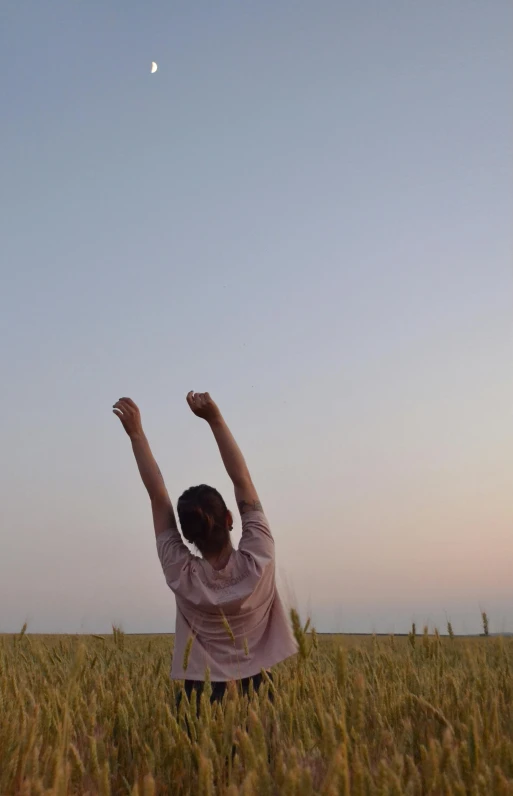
(388, 716)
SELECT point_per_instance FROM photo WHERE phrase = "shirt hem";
(190, 675)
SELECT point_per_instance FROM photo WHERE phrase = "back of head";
(204, 519)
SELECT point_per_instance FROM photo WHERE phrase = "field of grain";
(418, 715)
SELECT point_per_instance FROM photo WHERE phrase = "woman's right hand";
(130, 416)
(203, 406)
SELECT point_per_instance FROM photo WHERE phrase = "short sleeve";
(257, 541)
(174, 556)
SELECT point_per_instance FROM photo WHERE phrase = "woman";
(229, 616)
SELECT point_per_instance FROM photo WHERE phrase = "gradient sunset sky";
(307, 211)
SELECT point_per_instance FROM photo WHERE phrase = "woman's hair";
(203, 514)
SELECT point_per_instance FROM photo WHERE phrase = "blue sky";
(306, 211)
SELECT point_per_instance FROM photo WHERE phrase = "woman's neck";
(220, 560)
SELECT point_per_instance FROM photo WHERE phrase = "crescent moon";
(154, 67)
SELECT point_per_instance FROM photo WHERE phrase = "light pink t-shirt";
(244, 592)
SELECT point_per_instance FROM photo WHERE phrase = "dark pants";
(219, 689)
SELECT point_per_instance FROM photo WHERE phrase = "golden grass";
(361, 716)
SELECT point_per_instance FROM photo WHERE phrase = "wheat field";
(414, 715)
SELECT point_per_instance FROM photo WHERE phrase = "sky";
(306, 211)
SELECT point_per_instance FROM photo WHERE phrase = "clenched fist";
(203, 406)
(130, 416)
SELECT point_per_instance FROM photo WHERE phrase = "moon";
(154, 67)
